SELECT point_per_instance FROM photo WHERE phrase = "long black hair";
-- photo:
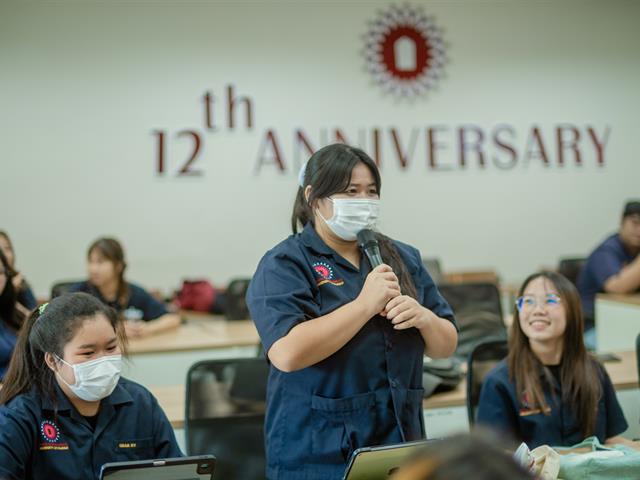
(9, 315)
(328, 172)
(47, 330)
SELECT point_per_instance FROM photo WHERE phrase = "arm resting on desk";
(168, 321)
(619, 440)
(626, 280)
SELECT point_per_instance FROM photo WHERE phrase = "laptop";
(379, 463)
(185, 468)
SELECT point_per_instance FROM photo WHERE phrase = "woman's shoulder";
(138, 392)
(499, 374)
(24, 405)
(291, 248)
(82, 286)
(135, 289)
(407, 251)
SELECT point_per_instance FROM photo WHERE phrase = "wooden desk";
(164, 359)
(447, 412)
(617, 321)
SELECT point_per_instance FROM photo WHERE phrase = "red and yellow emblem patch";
(324, 271)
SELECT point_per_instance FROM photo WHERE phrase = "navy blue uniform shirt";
(8, 340)
(502, 409)
(35, 443)
(367, 393)
(139, 300)
(604, 262)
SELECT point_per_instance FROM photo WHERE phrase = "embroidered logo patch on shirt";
(526, 407)
(51, 437)
(325, 274)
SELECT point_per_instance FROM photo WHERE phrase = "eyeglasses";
(529, 302)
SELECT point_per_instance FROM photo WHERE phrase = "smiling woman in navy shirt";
(143, 314)
(549, 390)
(64, 409)
(345, 342)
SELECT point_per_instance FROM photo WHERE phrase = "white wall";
(84, 84)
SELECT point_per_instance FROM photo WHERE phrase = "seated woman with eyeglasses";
(549, 390)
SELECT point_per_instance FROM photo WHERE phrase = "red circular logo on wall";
(404, 50)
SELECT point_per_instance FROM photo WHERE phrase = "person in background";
(346, 339)
(25, 295)
(613, 267)
(550, 390)
(143, 314)
(11, 317)
(64, 409)
(462, 457)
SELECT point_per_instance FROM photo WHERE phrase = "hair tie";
(42, 308)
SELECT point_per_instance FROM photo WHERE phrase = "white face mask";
(350, 215)
(95, 379)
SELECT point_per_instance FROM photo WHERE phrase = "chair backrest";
(224, 415)
(571, 268)
(478, 310)
(482, 359)
(235, 304)
(60, 288)
(432, 264)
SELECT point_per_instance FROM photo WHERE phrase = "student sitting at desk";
(613, 267)
(106, 266)
(64, 409)
(26, 298)
(11, 317)
(549, 390)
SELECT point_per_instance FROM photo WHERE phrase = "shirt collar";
(311, 239)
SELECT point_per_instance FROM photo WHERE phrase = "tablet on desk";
(185, 468)
(378, 463)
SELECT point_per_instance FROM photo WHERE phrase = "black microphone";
(368, 242)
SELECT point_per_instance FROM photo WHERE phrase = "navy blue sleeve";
(280, 296)
(604, 264)
(496, 409)
(616, 423)
(27, 298)
(16, 440)
(141, 299)
(164, 438)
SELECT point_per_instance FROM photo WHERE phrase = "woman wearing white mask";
(64, 409)
(345, 341)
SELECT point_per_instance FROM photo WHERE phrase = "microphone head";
(366, 238)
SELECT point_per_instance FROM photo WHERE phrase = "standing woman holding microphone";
(345, 341)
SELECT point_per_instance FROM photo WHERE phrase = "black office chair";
(482, 359)
(432, 264)
(571, 268)
(224, 415)
(60, 288)
(478, 310)
(235, 304)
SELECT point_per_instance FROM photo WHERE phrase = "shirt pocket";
(135, 449)
(341, 425)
